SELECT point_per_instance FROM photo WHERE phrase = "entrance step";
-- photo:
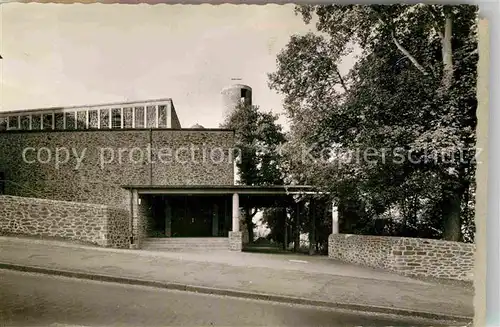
(186, 244)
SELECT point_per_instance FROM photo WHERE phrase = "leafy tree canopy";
(396, 134)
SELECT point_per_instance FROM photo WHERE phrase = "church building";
(124, 175)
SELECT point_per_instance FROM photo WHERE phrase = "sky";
(62, 55)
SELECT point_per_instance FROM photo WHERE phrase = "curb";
(237, 294)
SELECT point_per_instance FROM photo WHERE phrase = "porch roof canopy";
(224, 189)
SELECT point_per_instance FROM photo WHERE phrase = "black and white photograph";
(240, 165)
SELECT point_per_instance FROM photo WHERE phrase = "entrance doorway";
(189, 216)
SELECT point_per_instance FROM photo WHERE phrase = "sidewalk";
(292, 278)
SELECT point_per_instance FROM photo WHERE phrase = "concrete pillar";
(296, 235)
(236, 212)
(215, 220)
(335, 218)
(168, 219)
(227, 215)
(285, 232)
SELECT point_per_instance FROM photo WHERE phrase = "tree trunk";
(402, 228)
(452, 222)
(447, 51)
(413, 214)
(249, 224)
(344, 218)
(453, 199)
(285, 230)
(296, 242)
(312, 230)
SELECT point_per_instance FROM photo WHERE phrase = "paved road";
(42, 300)
(320, 279)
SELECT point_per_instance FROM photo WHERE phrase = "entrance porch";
(166, 215)
(176, 222)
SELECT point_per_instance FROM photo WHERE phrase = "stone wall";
(90, 223)
(435, 258)
(407, 256)
(83, 181)
(90, 166)
(371, 251)
(202, 158)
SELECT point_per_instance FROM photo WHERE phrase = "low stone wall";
(235, 241)
(91, 223)
(407, 256)
(368, 251)
(434, 258)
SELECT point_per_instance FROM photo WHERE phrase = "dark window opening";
(244, 93)
(116, 118)
(13, 122)
(3, 124)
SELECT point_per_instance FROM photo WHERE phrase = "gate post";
(236, 212)
(335, 219)
(168, 219)
(235, 236)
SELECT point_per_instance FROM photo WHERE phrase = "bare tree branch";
(437, 21)
(340, 78)
(408, 55)
(399, 46)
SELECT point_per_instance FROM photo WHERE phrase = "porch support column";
(215, 220)
(236, 212)
(235, 236)
(168, 219)
(296, 234)
(335, 219)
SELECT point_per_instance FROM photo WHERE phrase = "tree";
(411, 92)
(258, 137)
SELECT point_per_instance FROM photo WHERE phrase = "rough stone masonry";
(95, 183)
(407, 256)
(90, 223)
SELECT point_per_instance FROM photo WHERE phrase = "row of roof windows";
(154, 116)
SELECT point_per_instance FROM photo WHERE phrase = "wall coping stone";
(401, 238)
